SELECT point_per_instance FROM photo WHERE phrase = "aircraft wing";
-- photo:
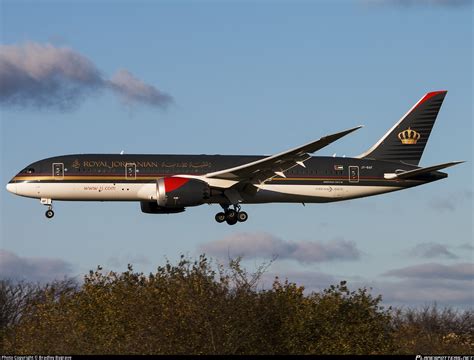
(259, 171)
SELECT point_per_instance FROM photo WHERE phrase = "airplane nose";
(11, 187)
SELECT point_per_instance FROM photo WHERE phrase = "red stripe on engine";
(173, 183)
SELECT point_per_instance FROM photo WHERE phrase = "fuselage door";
(354, 174)
(130, 171)
(58, 171)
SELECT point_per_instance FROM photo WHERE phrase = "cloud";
(43, 76)
(466, 246)
(413, 292)
(258, 245)
(442, 204)
(32, 269)
(431, 250)
(134, 90)
(404, 292)
(462, 271)
(449, 202)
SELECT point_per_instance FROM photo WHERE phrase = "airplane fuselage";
(103, 177)
(166, 184)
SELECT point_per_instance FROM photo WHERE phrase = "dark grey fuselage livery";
(170, 183)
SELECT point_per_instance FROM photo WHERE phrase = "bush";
(194, 307)
(431, 330)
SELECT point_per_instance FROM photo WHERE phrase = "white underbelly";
(329, 191)
(88, 191)
(140, 191)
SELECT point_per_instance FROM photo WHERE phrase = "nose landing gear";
(49, 213)
(48, 202)
(231, 216)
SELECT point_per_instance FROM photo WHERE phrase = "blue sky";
(253, 78)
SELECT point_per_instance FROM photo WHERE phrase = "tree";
(431, 330)
(199, 307)
(17, 299)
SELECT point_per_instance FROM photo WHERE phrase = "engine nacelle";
(177, 192)
(151, 207)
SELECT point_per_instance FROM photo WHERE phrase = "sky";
(241, 77)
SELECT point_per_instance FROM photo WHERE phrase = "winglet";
(348, 131)
(330, 138)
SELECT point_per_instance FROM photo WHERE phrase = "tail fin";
(407, 139)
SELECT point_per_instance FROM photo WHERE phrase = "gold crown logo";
(409, 136)
(76, 164)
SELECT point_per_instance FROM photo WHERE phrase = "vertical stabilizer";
(407, 139)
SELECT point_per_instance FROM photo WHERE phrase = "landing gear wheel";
(232, 221)
(231, 217)
(220, 217)
(242, 216)
(49, 213)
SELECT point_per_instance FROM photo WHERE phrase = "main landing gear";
(49, 213)
(231, 216)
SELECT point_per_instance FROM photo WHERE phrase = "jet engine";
(173, 194)
(177, 192)
(151, 207)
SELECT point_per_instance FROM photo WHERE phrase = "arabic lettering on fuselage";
(141, 164)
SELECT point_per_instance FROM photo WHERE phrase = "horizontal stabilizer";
(420, 171)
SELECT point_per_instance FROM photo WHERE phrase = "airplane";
(166, 184)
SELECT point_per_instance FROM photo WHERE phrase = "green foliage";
(195, 307)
